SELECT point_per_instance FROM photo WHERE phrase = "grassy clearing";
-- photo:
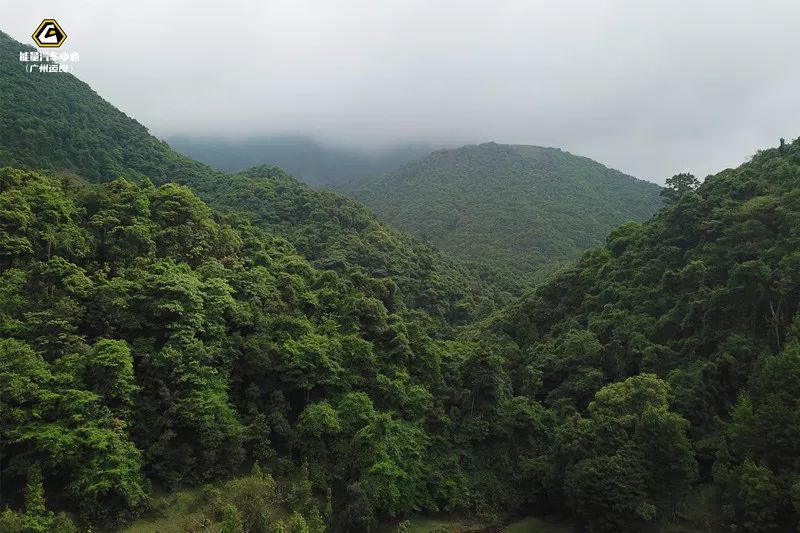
(174, 512)
(537, 525)
(425, 524)
(701, 513)
(184, 510)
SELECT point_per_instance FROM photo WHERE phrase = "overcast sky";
(649, 87)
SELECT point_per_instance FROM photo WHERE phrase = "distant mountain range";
(517, 209)
(513, 212)
(247, 353)
(307, 159)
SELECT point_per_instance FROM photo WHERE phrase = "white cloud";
(651, 88)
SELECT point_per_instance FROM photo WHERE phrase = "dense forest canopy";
(520, 211)
(704, 295)
(164, 325)
(75, 130)
(147, 341)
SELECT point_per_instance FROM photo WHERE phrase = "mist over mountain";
(519, 210)
(308, 160)
(188, 350)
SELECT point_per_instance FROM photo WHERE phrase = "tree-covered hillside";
(308, 160)
(146, 341)
(58, 122)
(303, 368)
(514, 209)
(151, 342)
(705, 295)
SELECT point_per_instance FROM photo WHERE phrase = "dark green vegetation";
(705, 296)
(74, 130)
(164, 326)
(145, 340)
(304, 158)
(516, 210)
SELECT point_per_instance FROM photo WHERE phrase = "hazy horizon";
(193, 146)
(648, 89)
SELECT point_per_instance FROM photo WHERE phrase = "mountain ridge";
(314, 370)
(530, 206)
(76, 130)
(311, 161)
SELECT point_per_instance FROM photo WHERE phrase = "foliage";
(514, 212)
(705, 296)
(205, 344)
(87, 136)
(678, 185)
(629, 460)
(164, 324)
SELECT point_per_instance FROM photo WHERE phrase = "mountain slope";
(74, 130)
(706, 296)
(513, 208)
(304, 158)
(147, 339)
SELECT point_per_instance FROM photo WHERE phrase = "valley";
(493, 337)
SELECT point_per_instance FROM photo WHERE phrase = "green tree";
(231, 520)
(37, 518)
(678, 185)
(631, 460)
(759, 496)
(109, 373)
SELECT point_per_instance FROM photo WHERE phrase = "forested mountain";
(74, 130)
(164, 325)
(687, 322)
(306, 159)
(507, 207)
(147, 340)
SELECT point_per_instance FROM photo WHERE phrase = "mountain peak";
(519, 208)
